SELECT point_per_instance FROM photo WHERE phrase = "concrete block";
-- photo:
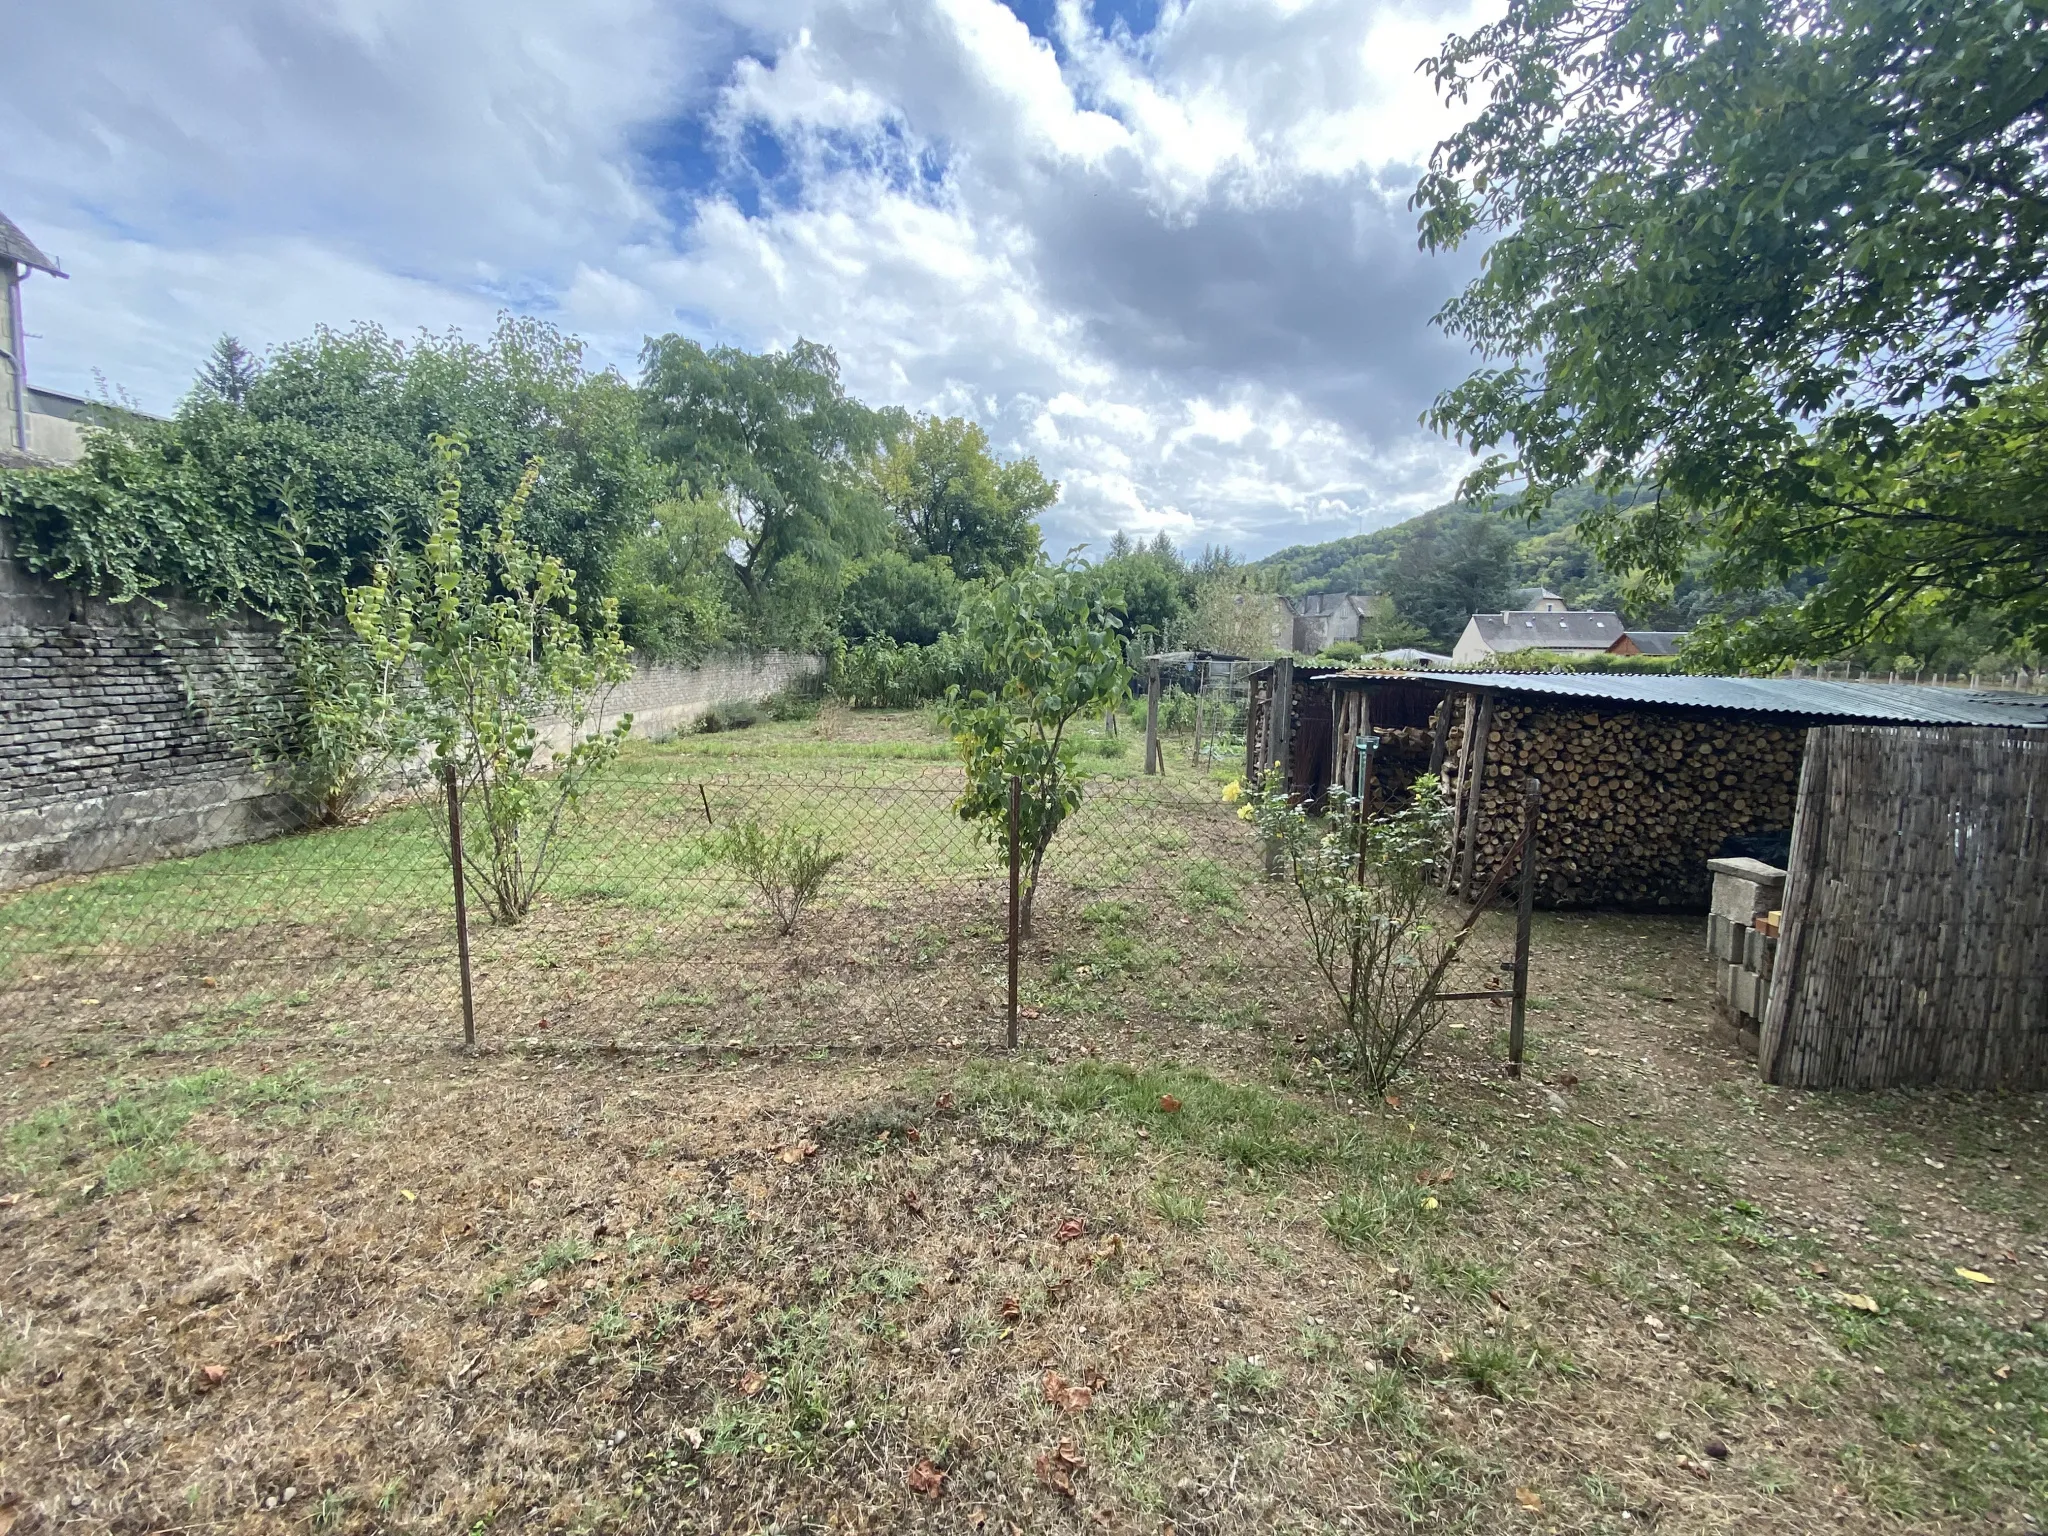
(1745, 888)
(1742, 990)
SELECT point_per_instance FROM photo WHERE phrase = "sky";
(1162, 247)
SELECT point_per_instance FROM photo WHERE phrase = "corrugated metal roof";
(1885, 703)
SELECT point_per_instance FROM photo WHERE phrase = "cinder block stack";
(1742, 941)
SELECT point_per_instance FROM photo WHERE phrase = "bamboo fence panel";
(1914, 944)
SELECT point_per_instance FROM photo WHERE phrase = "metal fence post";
(461, 902)
(1525, 907)
(1016, 861)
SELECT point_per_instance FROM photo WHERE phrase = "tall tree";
(952, 498)
(229, 371)
(1784, 260)
(777, 439)
(1449, 572)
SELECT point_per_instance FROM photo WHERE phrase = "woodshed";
(1645, 777)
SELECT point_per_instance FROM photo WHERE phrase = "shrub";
(880, 674)
(1375, 931)
(794, 703)
(788, 866)
(737, 716)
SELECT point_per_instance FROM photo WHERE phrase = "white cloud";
(1176, 267)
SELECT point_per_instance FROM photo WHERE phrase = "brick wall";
(104, 761)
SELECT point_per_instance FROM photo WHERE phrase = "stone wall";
(104, 760)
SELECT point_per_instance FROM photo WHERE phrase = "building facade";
(36, 426)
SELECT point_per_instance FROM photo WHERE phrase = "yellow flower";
(1246, 813)
(1233, 792)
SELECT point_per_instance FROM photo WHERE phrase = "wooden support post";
(1016, 867)
(1283, 720)
(1195, 755)
(1153, 757)
(1363, 760)
(1442, 736)
(1525, 908)
(461, 902)
(1255, 726)
(1475, 796)
(1460, 771)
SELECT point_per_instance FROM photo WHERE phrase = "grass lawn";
(762, 1234)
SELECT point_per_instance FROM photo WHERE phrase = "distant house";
(1488, 635)
(1540, 600)
(1649, 642)
(37, 426)
(1271, 625)
(1323, 619)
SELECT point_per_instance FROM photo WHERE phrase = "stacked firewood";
(1633, 803)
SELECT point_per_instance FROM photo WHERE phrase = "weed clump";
(787, 865)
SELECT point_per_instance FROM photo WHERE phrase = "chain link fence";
(647, 933)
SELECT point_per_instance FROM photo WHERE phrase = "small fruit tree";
(1051, 654)
(501, 683)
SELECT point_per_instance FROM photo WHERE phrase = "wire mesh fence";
(648, 931)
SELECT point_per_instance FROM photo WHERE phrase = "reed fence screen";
(1914, 943)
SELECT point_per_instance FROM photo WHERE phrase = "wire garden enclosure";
(647, 933)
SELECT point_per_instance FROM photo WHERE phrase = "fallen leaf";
(1063, 1394)
(752, 1383)
(1027, 1013)
(1858, 1300)
(926, 1479)
(1072, 1228)
(1974, 1276)
(2003, 1373)
(913, 1202)
(1012, 1309)
(943, 1103)
(212, 1375)
(538, 1288)
(47, 1061)
(695, 1436)
(407, 1195)
(797, 1151)
(1056, 1468)
(1528, 1498)
(1169, 1104)
(1429, 1202)
(1567, 1080)
(1393, 1101)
